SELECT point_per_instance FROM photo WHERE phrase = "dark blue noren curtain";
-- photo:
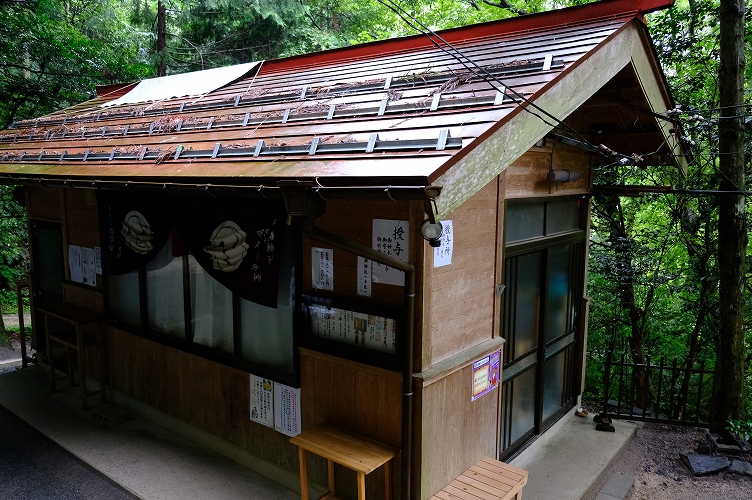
(133, 228)
(237, 241)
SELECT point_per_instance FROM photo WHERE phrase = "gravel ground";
(652, 458)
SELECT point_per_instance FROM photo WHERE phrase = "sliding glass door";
(544, 268)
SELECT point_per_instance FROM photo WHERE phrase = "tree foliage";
(667, 246)
(52, 54)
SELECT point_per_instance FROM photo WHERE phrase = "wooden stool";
(351, 450)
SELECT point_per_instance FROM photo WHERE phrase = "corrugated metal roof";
(393, 112)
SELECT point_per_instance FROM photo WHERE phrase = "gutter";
(407, 363)
(274, 190)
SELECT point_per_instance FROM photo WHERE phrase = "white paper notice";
(98, 260)
(364, 277)
(322, 267)
(442, 256)
(390, 237)
(75, 263)
(287, 410)
(88, 265)
(262, 401)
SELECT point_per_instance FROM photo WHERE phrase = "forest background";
(653, 272)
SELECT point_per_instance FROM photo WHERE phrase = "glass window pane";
(562, 215)
(523, 404)
(553, 384)
(266, 333)
(558, 293)
(48, 252)
(527, 294)
(164, 292)
(211, 306)
(122, 297)
(524, 221)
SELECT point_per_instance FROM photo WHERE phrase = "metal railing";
(663, 393)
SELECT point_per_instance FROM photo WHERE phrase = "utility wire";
(487, 77)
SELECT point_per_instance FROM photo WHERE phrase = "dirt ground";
(652, 458)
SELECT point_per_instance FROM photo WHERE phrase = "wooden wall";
(526, 176)
(361, 398)
(461, 313)
(455, 432)
(354, 220)
(462, 296)
(208, 395)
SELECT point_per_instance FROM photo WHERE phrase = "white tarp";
(186, 84)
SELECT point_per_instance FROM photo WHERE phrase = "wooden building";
(266, 220)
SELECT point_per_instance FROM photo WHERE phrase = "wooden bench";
(351, 450)
(487, 479)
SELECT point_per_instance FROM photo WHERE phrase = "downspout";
(407, 363)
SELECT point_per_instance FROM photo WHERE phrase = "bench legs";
(330, 479)
(330, 476)
(361, 486)
(303, 474)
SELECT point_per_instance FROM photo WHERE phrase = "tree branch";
(43, 73)
(503, 4)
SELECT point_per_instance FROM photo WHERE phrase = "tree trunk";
(161, 39)
(637, 316)
(732, 233)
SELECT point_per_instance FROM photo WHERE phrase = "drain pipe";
(407, 363)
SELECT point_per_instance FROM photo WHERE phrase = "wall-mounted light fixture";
(563, 176)
(431, 232)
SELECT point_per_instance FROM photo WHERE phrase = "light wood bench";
(487, 479)
(351, 450)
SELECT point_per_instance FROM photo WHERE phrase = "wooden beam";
(653, 86)
(520, 130)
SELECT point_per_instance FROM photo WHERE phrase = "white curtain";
(122, 295)
(266, 333)
(164, 292)
(211, 304)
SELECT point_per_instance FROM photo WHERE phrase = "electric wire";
(458, 55)
(482, 73)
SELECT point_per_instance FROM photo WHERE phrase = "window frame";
(187, 344)
(360, 354)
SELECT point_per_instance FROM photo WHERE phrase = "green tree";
(53, 53)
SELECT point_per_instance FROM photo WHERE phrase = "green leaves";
(52, 57)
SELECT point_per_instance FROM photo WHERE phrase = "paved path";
(32, 467)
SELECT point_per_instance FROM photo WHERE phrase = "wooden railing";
(665, 393)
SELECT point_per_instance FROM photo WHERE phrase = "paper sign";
(390, 237)
(262, 401)
(322, 267)
(365, 330)
(98, 260)
(442, 256)
(287, 409)
(364, 277)
(75, 262)
(486, 374)
(88, 266)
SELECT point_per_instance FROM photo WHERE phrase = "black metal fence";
(664, 393)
